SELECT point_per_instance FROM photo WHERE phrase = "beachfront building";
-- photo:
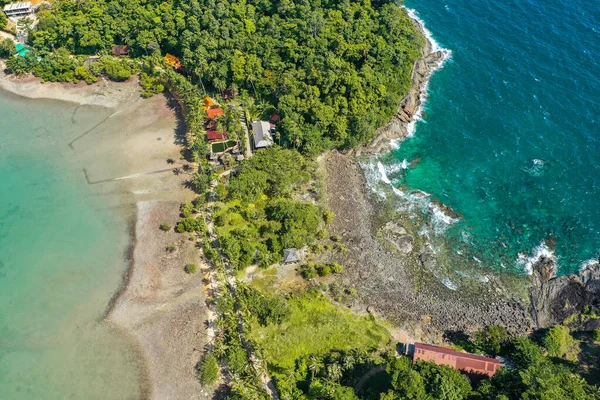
(17, 10)
(262, 134)
(466, 362)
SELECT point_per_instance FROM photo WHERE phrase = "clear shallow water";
(62, 248)
(511, 136)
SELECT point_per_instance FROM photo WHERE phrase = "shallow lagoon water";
(510, 138)
(63, 246)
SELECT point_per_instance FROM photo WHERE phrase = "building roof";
(290, 256)
(21, 49)
(214, 112)
(445, 350)
(120, 50)
(275, 117)
(19, 6)
(262, 136)
(466, 362)
(214, 135)
(173, 61)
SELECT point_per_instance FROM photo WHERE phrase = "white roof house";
(262, 134)
(19, 9)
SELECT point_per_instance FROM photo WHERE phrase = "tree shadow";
(180, 128)
(461, 339)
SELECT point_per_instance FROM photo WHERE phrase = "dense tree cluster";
(260, 214)
(335, 70)
(531, 373)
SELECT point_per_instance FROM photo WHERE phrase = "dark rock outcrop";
(554, 299)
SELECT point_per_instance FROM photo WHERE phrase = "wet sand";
(159, 309)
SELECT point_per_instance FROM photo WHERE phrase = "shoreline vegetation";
(232, 306)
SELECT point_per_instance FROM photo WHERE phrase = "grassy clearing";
(316, 326)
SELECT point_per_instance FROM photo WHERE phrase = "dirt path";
(228, 280)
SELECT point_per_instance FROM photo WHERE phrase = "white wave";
(449, 284)
(373, 177)
(480, 278)
(526, 263)
(435, 46)
(439, 219)
(405, 164)
(589, 263)
(384, 177)
(413, 14)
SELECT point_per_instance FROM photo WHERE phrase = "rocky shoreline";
(396, 273)
(394, 283)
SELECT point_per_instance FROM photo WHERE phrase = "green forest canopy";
(335, 70)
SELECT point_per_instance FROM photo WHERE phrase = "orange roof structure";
(208, 102)
(173, 61)
(466, 362)
(214, 112)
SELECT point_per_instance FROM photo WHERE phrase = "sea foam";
(526, 263)
(424, 94)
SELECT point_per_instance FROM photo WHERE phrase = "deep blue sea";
(510, 137)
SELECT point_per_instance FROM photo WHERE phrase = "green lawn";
(220, 147)
(316, 326)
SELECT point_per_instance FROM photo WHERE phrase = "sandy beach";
(159, 308)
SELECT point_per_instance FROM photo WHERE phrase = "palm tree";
(334, 371)
(348, 362)
(315, 364)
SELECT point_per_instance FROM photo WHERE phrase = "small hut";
(120, 50)
(290, 256)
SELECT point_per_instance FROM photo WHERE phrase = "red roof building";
(214, 135)
(214, 112)
(275, 117)
(466, 362)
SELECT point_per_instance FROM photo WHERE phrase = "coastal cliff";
(555, 299)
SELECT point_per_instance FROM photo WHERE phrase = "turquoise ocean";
(510, 134)
(63, 253)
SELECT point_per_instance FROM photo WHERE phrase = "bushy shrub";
(7, 46)
(559, 343)
(208, 370)
(3, 20)
(115, 69)
(310, 270)
(165, 227)
(171, 248)
(150, 85)
(596, 335)
(491, 339)
(191, 225)
(191, 268)
(82, 73)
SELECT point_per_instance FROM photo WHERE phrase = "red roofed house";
(214, 135)
(214, 112)
(462, 361)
